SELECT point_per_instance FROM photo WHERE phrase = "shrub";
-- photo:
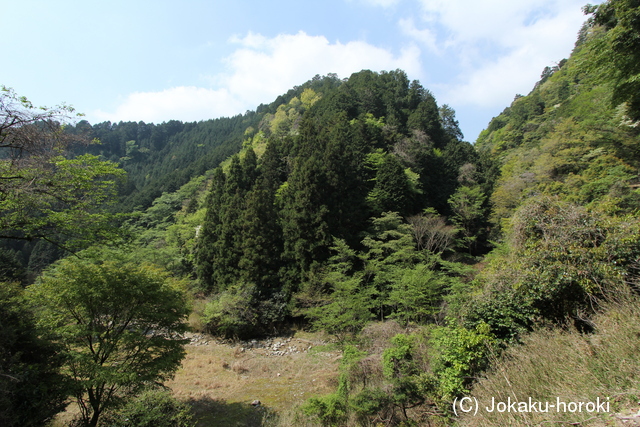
(457, 355)
(231, 313)
(331, 409)
(152, 408)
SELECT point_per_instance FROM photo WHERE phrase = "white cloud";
(187, 103)
(257, 72)
(382, 3)
(501, 46)
(425, 36)
(265, 68)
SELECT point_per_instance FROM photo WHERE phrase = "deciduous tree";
(119, 324)
(43, 193)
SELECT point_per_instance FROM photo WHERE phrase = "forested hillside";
(162, 157)
(278, 225)
(351, 208)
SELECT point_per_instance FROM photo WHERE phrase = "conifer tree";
(391, 192)
(208, 244)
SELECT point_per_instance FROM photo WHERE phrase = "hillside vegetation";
(353, 208)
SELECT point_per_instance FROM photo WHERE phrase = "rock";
(255, 403)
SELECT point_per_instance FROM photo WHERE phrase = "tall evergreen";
(305, 217)
(208, 246)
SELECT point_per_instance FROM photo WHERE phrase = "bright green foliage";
(563, 257)
(568, 254)
(384, 398)
(390, 253)
(563, 139)
(119, 325)
(345, 302)
(371, 405)
(333, 409)
(468, 213)
(272, 219)
(619, 49)
(43, 194)
(417, 294)
(32, 390)
(232, 313)
(457, 355)
(389, 278)
(151, 408)
(401, 369)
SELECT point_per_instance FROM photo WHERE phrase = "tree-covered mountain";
(375, 144)
(347, 206)
(162, 157)
(564, 177)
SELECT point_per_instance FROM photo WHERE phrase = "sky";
(192, 60)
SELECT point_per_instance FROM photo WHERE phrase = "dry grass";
(221, 381)
(570, 366)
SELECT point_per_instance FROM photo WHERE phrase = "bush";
(152, 408)
(331, 409)
(231, 314)
(371, 405)
(458, 354)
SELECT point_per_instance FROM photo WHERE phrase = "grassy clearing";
(221, 381)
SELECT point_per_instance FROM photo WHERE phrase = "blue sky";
(195, 60)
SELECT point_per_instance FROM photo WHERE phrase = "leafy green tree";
(559, 258)
(333, 409)
(208, 246)
(401, 368)
(232, 313)
(457, 355)
(119, 324)
(467, 205)
(426, 118)
(43, 194)
(389, 251)
(450, 124)
(305, 217)
(32, 389)
(345, 302)
(416, 295)
(262, 238)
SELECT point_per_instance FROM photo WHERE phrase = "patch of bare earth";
(222, 380)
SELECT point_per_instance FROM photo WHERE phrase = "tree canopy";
(119, 324)
(45, 193)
